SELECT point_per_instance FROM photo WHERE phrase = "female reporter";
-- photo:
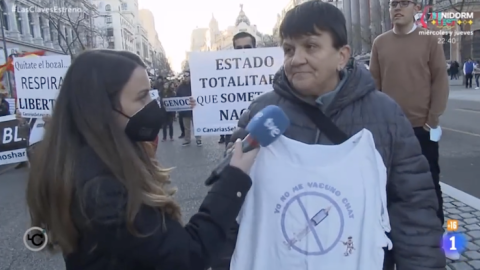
(94, 187)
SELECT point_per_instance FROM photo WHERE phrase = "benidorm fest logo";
(445, 20)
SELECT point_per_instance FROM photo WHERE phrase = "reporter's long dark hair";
(84, 115)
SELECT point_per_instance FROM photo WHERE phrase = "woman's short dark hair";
(306, 18)
(84, 116)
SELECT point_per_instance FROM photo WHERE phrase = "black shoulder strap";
(323, 123)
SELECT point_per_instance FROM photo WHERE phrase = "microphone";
(264, 128)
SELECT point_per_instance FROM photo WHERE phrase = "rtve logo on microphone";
(274, 130)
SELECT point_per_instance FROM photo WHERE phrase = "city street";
(460, 163)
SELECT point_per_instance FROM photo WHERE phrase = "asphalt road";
(460, 144)
(460, 159)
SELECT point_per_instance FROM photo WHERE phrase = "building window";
(476, 45)
(145, 50)
(72, 36)
(31, 23)
(109, 32)
(124, 6)
(108, 19)
(108, 8)
(89, 41)
(111, 45)
(5, 15)
(52, 32)
(42, 25)
(19, 22)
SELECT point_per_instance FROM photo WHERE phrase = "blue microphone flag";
(268, 124)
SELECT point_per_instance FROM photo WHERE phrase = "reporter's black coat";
(106, 244)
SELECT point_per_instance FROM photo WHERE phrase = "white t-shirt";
(315, 207)
(37, 130)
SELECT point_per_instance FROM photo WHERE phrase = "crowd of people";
(178, 87)
(471, 71)
(106, 203)
(4, 105)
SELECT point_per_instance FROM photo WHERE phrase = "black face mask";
(144, 125)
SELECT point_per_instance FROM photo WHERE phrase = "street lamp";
(154, 62)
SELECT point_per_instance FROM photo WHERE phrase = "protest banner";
(37, 130)
(177, 104)
(12, 144)
(224, 83)
(38, 81)
(36, 125)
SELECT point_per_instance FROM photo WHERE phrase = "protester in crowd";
(476, 71)
(4, 105)
(176, 84)
(427, 79)
(104, 202)
(454, 69)
(241, 40)
(468, 69)
(182, 127)
(168, 92)
(159, 83)
(185, 90)
(318, 76)
(406, 75)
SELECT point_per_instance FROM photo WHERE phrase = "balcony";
(128, 27)
(144, 33)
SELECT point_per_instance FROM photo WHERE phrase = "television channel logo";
(35, 239)
(446, 19)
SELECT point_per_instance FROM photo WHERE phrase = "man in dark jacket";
(4, 105)
(468, 68)
(319, 74)
(185, 90)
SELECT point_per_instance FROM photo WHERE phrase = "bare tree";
(364, 36)
(185, 65)
(163, 66)
(466, 41)
(375, 19)
(386, 21)
(73, 24)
